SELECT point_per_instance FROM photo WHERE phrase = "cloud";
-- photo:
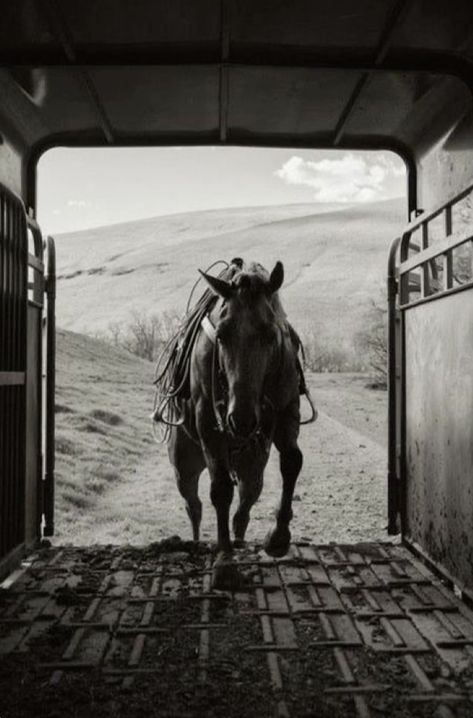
(76, 203)
(351, 178)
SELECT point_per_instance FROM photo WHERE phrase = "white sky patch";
(76, 203)
(92, 187)
(351, 178)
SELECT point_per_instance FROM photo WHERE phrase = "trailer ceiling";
(332, 73)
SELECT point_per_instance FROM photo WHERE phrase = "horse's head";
(249, 341)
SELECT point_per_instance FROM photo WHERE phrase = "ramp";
(361, 630)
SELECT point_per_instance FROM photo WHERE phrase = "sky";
(83, 188)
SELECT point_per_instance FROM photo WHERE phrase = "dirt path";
(340, 495)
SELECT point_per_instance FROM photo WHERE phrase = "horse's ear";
(277, 278)
(220, 286)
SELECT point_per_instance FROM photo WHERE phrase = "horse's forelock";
(253, 280)
(251, 283)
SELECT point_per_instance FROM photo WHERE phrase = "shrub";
(107, 417)
(322, 355)
(372, 342)
(144, 334)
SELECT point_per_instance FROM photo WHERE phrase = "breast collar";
(209, 329)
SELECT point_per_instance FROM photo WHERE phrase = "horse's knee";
(221, 493)
(291, 462)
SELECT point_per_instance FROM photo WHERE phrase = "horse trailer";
(346, 74)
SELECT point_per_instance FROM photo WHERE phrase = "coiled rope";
(172, 371)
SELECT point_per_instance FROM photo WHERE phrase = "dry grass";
(102, 401)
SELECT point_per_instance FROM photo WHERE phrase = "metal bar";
(432, 62)
(13, 276)
(448, 271)
(35, 262)
(61, 32)
(3, 271)
(3, 365)
(393, 478)
(349, 107)
(448, 263)
(224, 71)
(14, 361)
(38, 264)
(48, 488)
(425, 267)
(12, 378)
(10, 364)
(397, 13)
(438, 295)
(435, 250)
(3, 417)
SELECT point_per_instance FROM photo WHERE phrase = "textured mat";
(360, 630)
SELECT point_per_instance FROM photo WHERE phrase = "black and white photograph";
(236, 359)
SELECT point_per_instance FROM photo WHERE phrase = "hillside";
(115, 485)
(103, 400)
(334, 255)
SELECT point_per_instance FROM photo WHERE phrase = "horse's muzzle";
(242, 425)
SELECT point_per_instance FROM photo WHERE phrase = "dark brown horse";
(244, 395)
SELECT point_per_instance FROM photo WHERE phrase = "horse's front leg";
(225, 575)
(290, 461)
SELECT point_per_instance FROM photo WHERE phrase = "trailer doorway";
(319, 213)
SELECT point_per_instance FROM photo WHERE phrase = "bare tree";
(322, 355)
(372, 342)
(144, 334)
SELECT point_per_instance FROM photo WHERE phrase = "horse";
(244, 396)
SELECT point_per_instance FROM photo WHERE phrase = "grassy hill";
(103, 400)
(334, 255)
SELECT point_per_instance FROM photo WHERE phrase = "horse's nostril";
(243, 425)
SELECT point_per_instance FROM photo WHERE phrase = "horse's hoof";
(277, 542)
(225, 574)
(239, 543)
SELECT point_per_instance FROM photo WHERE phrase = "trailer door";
(432, 434)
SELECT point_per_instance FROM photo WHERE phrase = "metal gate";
(26, 420)
(430, 474)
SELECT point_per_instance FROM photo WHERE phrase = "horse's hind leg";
(188, 487)
(188, 461)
